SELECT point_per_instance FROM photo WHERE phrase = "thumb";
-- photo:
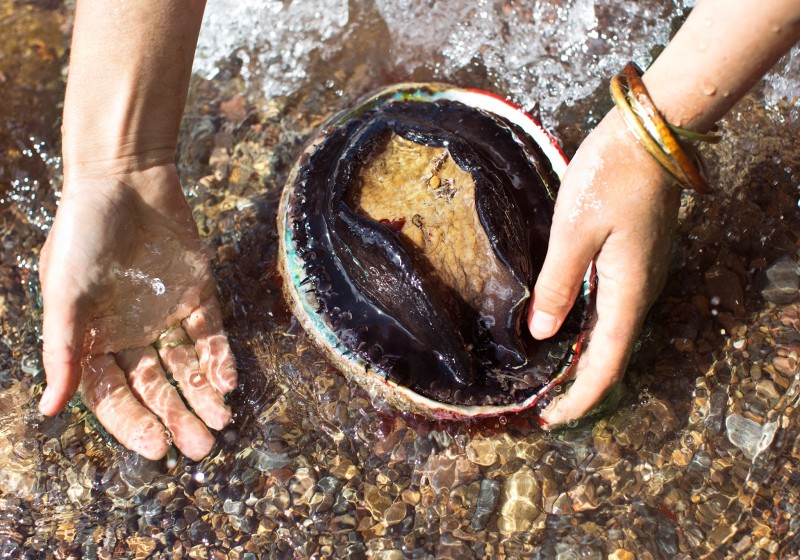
(559, 281)
(63, 332)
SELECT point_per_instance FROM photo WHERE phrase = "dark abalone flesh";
(412, 230)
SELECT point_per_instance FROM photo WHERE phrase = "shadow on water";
(698, 459)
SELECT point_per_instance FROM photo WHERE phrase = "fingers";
(63, 331)
(149, 383)
(178, 355)
(106, 392)
(214, 354)
(620, 309)
(559, 281)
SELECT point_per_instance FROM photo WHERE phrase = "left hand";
(124, 268)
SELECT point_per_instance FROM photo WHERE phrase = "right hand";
(122, 265)
(616, 206)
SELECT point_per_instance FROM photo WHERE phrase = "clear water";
(697, 459)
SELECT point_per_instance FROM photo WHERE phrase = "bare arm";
(128, 76)
(720, 52)
(123, 224)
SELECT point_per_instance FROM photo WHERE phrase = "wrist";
(90, 178)
(615, 128)
(114, 131)
(108, 155)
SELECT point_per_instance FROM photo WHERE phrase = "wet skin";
(117, 271)
(609, 175)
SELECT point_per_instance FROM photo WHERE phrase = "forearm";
(128, 76)
(722, 49)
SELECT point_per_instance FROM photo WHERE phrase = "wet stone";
(142, 547)
(344, 468)
(724, 288)
(278, 496)
(411, 497)
(487, 501)
(481, 452)
(376, 500)
(780, 283)
(232, 507)
(520, 502)
(265, 460)
(151, 508)
(748, 435)
(448, 470)
(137, 471)
(204, 499)
(302, 486)
(329, 484)
(200, 531)
(190, 514)
(343, 524)
(244, 523)
(395, 514)
(621, 554)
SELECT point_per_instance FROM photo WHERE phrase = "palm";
(122, 264)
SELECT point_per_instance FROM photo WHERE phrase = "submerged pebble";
(781, 281)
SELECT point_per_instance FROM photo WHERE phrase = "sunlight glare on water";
(282, 36)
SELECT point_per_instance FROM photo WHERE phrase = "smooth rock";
(481, 452)
(232, 507)
(621, 554)
(448, 470)
(724, 289)
(780, 282)
(487, 501)
(749, 436)
(520, 497)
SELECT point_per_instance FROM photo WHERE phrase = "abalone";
(412, 230)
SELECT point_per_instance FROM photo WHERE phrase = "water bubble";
(158, 287)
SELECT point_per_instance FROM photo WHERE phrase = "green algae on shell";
(411, 232)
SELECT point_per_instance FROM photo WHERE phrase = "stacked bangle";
(654, 133)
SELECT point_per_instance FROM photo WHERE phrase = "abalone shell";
(412, 230)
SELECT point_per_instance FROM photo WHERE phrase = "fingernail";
(542, 324)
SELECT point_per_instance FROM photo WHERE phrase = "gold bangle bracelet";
(712, 137)
(654, 133)
(640, 132)
(664, 135)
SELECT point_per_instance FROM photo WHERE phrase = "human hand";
(616, 206)
(122, 265)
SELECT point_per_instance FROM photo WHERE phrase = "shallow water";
(698, 458)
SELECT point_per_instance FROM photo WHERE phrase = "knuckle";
(554, 296)
(57, 355)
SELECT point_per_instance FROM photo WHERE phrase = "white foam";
(278, 38)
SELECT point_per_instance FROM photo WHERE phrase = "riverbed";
(694, 457)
